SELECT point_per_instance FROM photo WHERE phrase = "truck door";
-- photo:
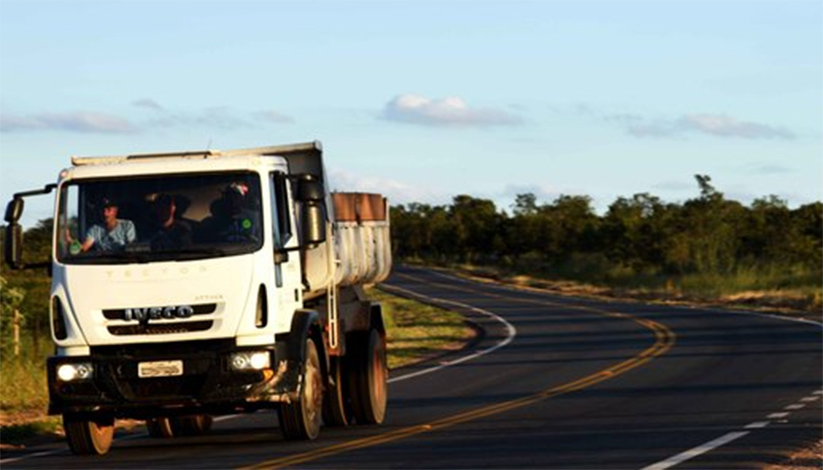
(288, 297)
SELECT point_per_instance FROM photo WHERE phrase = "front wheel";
(88, 436)
(301, 419)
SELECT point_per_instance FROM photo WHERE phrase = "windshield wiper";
(193, 253)
(114, 256)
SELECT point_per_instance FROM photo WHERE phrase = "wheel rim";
(101, 436)
(312, 396)
(312, 400)
(379, 373)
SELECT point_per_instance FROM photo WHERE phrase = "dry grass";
(810, 458)
(803, 301)
(417, 331)
(23, 390)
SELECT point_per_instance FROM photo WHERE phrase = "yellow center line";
(664, 341)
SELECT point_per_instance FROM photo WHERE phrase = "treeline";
(637, 236)
(26, 292)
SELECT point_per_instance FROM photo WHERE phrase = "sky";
(423, 101)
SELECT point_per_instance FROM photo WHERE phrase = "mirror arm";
(36, 192)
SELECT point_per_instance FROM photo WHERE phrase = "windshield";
(159, 218)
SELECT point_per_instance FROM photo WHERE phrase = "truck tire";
(179, 426)
(337, 409)
(301, 419)
(159, 427)
(190, 425)
(88, 437)
(368, 377)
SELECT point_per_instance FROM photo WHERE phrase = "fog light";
(72, 372)
(252, 360)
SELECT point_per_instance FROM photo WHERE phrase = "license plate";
(159, 369)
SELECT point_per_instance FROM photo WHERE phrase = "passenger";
(112, 235)
(172, 233)
(236, 221)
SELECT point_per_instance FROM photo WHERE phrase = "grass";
(23, 386)
(790, 289)
(415, 332)
(24, 399)
(17, 434)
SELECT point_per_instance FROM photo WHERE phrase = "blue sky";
(427, 100)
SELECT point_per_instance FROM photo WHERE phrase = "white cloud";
(148, 103)
(452, 111)
(725, 126)
(769, 169)
(81, 121)
(274, 116)
(542, 192)
(717, 125)
(397, 192)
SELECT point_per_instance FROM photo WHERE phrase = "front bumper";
(208, 384)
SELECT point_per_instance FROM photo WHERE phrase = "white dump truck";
(192, 284)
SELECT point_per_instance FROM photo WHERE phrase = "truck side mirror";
(313, 217)
(314, 223)
(14, 246)
(14, 210)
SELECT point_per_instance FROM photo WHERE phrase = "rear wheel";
(159, 427)
(368, 377)
(337, 409)
(88, 436)
(191, 425)
(179, 426)
(301, 419)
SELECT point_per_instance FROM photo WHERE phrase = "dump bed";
(362, 239)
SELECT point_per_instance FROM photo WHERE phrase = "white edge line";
(697, 451)
(810, 399)
(777, 415)
(511, 332)
(796, 406)
(758, 425)
(36, 454)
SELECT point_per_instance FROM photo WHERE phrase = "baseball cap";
(108, 202)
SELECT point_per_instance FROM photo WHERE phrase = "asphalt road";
(553, 382)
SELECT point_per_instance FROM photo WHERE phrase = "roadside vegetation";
(416, 331)
(707, 248)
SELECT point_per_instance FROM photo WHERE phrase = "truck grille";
(161, 329)
(163, 326)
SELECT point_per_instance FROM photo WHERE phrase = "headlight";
(73, 372)
(251, 360)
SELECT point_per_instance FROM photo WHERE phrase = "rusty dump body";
(362, 238)
(359, 207)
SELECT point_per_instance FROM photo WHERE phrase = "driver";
(112, 235)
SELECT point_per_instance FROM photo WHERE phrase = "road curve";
(554, 382)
